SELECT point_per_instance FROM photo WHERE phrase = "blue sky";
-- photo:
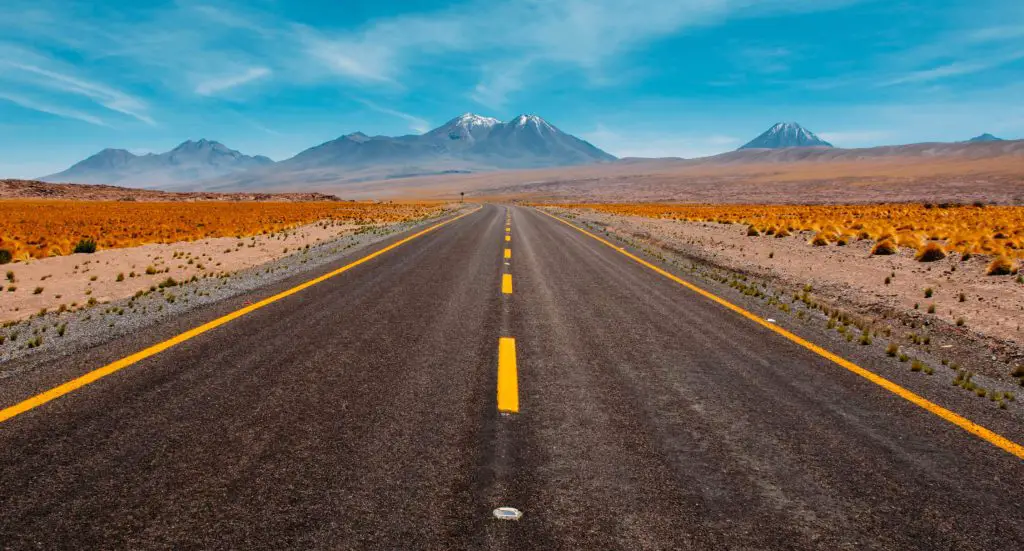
(643, 78)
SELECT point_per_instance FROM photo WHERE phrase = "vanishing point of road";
(503, 358)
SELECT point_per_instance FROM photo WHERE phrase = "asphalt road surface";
(360, 413)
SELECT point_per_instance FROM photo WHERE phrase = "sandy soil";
(75, 279)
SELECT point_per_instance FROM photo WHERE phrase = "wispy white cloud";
(1001, 32)
(954, 69)
(416, 124)
(108, 97)
(219, 84)
(43, 107)
(58, 80)
(498, 82)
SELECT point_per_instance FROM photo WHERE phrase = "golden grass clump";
(1000, 266)
(822, 239)
(884, 247)
(931, 252)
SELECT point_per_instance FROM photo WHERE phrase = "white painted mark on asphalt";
(508, 513)
(770, 320)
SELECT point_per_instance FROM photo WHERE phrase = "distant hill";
(986, 137)
(786, 134)
(938, 150)
(191, 160)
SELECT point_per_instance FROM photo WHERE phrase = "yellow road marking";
(95, 375)
(506, 284)
(507, 229)
(508, 253)
(508, 238)
(508, 380)
(966, 424)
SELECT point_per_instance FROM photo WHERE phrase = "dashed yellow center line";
(508, 238)
(966, 424)
(97, 374)
(508, 253)
(506, 284)
(507, 229)
(508, 379)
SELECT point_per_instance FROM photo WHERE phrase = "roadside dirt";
(112, 274)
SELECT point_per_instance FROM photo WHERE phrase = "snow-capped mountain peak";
(786, 134)
(466, 128)
(472, 119)
(532, 121)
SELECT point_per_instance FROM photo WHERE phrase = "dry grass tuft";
(1000, 266)
(931, 252)
(822, 239)
(884, 247)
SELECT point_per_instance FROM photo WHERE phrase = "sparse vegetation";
(56, 227)
(892, 350)
(86, 246)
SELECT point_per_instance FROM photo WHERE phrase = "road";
(362, 412)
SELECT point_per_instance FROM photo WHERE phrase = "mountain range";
(191, 160)
(467, 143)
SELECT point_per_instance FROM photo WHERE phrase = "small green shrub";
(87, 246)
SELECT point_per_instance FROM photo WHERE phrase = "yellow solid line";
(508, 253)
(508, 380)
(508, 238)
(92, 376)
(506, 284)
(962, 422)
